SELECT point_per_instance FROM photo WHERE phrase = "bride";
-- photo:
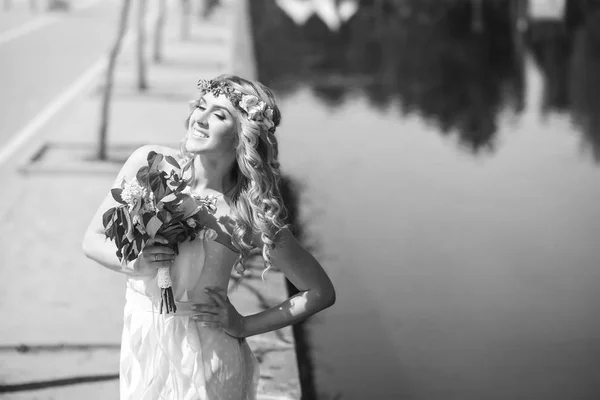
(200, 352)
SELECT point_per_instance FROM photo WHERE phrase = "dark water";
(450, 185)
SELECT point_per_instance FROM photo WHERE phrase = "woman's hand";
(223, 313)
(154, 256)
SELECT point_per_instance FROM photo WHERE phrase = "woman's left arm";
(316, 292)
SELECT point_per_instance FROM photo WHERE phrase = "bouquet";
(156, 202)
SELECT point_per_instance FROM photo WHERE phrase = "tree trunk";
(186, 14)
(477, 16)
(207, 8)
(159, 30)
(519, 8)
(142, 79)
(110, 69)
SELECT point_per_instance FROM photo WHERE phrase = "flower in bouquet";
(157, 202)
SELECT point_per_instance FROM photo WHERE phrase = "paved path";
(65, 308)
(42, 57)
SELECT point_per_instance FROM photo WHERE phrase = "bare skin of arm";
(316, 292)
(103, 251)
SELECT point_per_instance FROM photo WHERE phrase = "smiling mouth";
(199, 134)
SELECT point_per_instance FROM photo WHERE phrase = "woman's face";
(212, 126)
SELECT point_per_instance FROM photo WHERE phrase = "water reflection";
(458, 65)
(585, 82)
(425, 53)
(551, 46)
(458, 277)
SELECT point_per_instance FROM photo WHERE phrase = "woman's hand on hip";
(222, 313)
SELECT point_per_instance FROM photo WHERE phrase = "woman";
(200, 352)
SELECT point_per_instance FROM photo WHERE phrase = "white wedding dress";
(172, 356)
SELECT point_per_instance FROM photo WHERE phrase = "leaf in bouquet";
(107, 217)
(182, 196)
(123, 220)
(153, 226)
(170, 231)
(137, 207)
(179, 178)
(150, 157)
(172, 161)
(125, 249)
(181, 186)
(142, 176)
(188, 207)
(169, 236)
(119, 254)
(120, 243)
(140, 242)
(129, 229)
(169, 198)
(175, 185)
(166, 186)
(165, 216)
(157, 184)
(146, 217)
(126, 228)
(170, 228)
(159, 180)
(135, 247)
(111, 229)
(168, 208)
(182, 237)
(175, 239)
(154, 160)
(116, 194)
(129, 252)
(117, 226)
(133, 252)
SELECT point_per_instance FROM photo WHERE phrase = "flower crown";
(254, 108)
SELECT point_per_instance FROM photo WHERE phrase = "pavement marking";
(69, 94)
(42, 118)
(38, 23)
(272, 397)
(27, 28)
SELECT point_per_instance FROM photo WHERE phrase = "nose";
(201, 117)
(198, 115)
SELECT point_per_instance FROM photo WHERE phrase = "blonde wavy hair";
(255, 200)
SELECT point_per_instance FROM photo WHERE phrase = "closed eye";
(218, 115)
(201, 105)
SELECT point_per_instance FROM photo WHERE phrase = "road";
(43, 53)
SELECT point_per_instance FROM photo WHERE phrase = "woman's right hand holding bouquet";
(154, 255)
